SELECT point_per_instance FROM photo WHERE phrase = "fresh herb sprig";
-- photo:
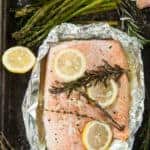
(133, 20)
(104, 111)
(90, 78)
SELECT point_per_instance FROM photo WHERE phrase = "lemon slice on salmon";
(96, 135)
(69, 64)
(18, 59)
(104, 95)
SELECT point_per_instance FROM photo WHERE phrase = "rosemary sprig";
(106, 113)
(134, 20)
(113, 122)
(90, 78)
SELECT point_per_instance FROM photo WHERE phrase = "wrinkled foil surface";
(68, 31)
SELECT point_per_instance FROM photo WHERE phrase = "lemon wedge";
(18, 59)
(69, 64)
(105, 96)
(96, 135)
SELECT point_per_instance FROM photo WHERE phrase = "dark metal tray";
(13, 86)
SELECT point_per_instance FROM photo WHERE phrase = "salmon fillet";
(143, 3)
(64, 119)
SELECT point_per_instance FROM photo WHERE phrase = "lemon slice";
(69, 64)
(18, 59)
(105, 96)
(96, 135)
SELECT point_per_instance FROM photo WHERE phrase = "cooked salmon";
(64, 119)
(143, 3)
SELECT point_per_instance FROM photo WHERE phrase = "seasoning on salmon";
(64, 130)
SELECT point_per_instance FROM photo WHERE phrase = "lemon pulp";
(97, 135)
(18, 59)
(69, 64)
(104, 95)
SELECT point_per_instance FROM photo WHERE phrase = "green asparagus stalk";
(41, 13)
(30, 31)
(100, 6)
(103, 8)
(50, 24)
(25, 11)
(55, 12)
(35, 18)
(56, 20)
(110, 22)
(80, 11)
(38, 40)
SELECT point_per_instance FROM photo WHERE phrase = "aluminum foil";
(68, 31)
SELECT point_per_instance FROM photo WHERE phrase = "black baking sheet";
(13, 86)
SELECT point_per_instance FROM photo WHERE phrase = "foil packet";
(67, 31)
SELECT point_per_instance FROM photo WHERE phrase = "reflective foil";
(68, 31)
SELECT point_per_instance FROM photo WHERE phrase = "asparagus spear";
(29, 30)
(42, 12)
(110, 22)
(103, 8)
(108, 5)
(35, 18)
(80, 11)
(62, 18)
(55, 12)
(56, 20)
(25, 11)
(38, 40)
